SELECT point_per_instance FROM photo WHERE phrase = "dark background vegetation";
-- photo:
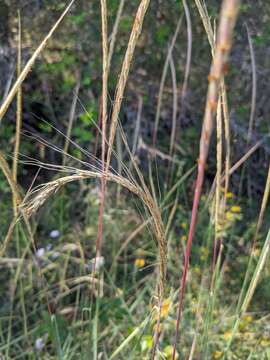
(74, 54)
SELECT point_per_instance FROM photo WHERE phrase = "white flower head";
(39, 344)
(54, 234)
(55, 255)
(97, 262)
(40, 252)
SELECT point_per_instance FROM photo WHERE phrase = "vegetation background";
(60, 297)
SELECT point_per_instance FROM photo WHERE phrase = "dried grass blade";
(30, 63)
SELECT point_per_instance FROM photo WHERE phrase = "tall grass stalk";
(263, 206)
(189, 52)
(253, 247)
(18, 116)
(104, 115)
(228, 18)
(218, 179)
(250, 291)
(175, 105)
(163, 78)
(71, 119)
(254, 87)
(211, 39)
(14, 90)
(114, 32)
(227, 141)
(137, 125)
(135, 33)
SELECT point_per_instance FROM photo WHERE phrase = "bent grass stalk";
(36, 198)
(228, 18)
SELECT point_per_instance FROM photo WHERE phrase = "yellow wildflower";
(256, 252)
(229, 195)
(140, 252)
(139, 262)
(217, 354)
(227, 335)
(236, 209)
(204, 253)
(204, 250)
(165, 308)
(184, 225)
(147, 342)
(183, 238)
(160, 329)
(194, 303)
(229, 216)
(265, 342)
(168, 352)
(119, 292)
(248, 318)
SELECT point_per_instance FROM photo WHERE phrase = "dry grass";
(18, 115)
(163, 78)
(14, 90)
(37, 197)
(135, 33)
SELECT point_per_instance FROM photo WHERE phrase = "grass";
(106, 286)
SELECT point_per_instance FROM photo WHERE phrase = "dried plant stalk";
(15, 195)
(175, 106)
(30, 63)
(137, 125)
(263, 205)
(228, 18)
(18, 116)
(254, 87)
(104, 75)
(211, 39)
(250, 291)
(163, 78)
(71, 120)
(103, 121)
(114, 32)
(218, 177)
(136, 30)
(189, 51)
(227, 140)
